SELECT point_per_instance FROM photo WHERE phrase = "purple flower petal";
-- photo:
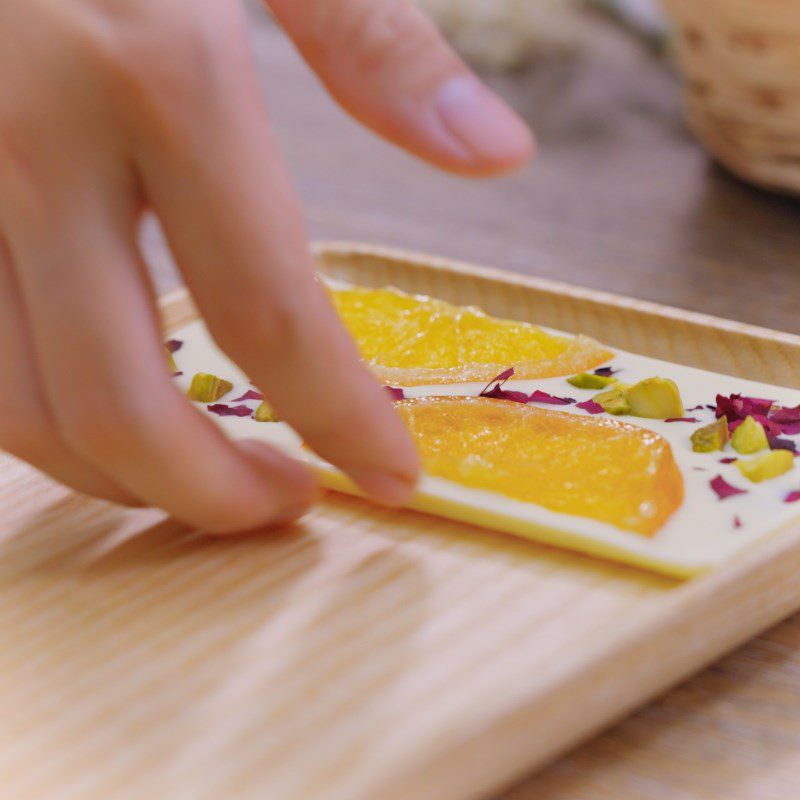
(606, 372)
(395, 393)
(792, 497)
(539, 396)
(173, 345)
(224, 410)
(176, 374)
(681, 419)
(776, 443)
(494, 389)
(591, 406)
(786, 415)
(724, 489)
(250, 394)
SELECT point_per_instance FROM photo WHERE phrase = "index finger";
(233, 223)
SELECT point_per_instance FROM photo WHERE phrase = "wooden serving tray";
(365, 653)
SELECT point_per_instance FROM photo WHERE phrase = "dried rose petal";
(176, 374)
(776, 443)
(786, 415)
(727, 460)
(590, 406)
(395, 393)
(699, 407)
(224, 410)
(606, 372)
(737, 521)
(736, 406)
(173, 345)
(539, 396)
(494, 389)
(724, 489)
(682, 419)
(250, 394)
(792, 497)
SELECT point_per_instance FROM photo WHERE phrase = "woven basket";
(741, 60)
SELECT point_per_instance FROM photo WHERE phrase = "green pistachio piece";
(207, 388)
(655, 398)
(614, 401)
(711, 437)
(265, 413)
(588, 380)
(749, 437)
(766, 466)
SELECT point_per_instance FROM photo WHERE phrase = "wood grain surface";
(361, 653)
(619, 198)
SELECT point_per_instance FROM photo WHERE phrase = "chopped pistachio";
(265, 413)
(614, 401)
(172, 366)
(655, 398)
(766, 466)
(207, 388)
(711, 437)
(588, 380)
(749, 437)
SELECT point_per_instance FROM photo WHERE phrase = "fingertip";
(387, 488)
(487, 135)
(285, 477)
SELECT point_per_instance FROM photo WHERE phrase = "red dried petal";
(682, 419)
(395, 393)
(737, 521)
(224, 410)
(724, 489)
(176, 374)
(494, 389)
(250, 394)
(737, 406)
(787, 416)
(699, 407)
(606, 372)
(591, 407)
(792, 497)
(727, 460)
(173, 345)
(539, 396)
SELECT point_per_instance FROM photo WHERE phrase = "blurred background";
(622, 196)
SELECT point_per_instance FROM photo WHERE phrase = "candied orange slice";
(600, 468)
(410, 340)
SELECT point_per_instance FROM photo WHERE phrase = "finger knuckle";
(379, 34)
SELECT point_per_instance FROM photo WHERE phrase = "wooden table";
(620, 198)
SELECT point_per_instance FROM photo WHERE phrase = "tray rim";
(561, 288)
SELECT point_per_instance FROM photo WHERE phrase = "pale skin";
(111, 107)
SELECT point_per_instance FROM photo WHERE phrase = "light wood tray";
(365, 653)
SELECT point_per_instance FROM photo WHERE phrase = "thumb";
(386, 64)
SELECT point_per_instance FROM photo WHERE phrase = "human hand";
(108, 108)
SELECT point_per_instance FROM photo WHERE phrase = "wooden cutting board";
(364, 653)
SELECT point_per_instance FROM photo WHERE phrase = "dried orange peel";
(413, 340)
(603, 469)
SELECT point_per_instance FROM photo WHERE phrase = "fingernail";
(482, 123)
(385, 487)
